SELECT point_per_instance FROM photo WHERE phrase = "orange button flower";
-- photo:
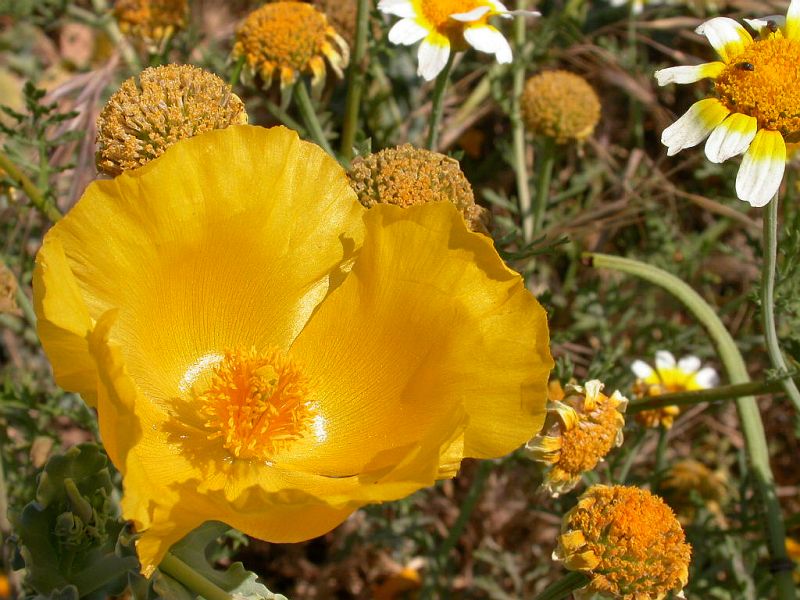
(264, 351)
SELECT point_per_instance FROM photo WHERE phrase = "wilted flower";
(669, 377)
(291, 39)
(342, 15)
(580, 429)
(8, 292)
(560, 105)
(265, 352)
(407, 176)
(756, 107)
(627, 541)
(167, 104)
(448, 25)
(151, 20)
(688, 477)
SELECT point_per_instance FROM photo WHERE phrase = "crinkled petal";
(689, 74)
(429, 324)
(762, 168)
(432, 56)
(694, 126)
(407, 32)
(399, 8)
(486, 38)
(731, 137)
(726, 36)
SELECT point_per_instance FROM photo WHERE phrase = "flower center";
(591, 439)
(284, 34)
(764, 82)
(257, 403)
(437, 12)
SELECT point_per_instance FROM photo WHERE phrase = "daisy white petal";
(508, 14)
(488, 39)
(432, 58)
(689, 364)
(472, 15)
(498, 6)
(731, 137)
(664, 360)
(792, 28)
(407, 32)
(726, 36)
(762, 168)
(694, 126)
(761, 26)
(399, 8)
(641, 369)
(689, 74)
(706, 378)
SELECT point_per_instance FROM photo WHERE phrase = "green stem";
(191, 579)
(25, 306)
(310, 117)
(237, 72)
(36, 197)
(548, 159)
(750, 418)
(467, 507)
(633, 451)
(725, 392)
(768, 300)
(564, 587)
(438, 102)
(518, 129)
(661, 451)
(355, 81)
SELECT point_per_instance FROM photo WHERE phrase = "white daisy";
(443, 25)
(756, 107)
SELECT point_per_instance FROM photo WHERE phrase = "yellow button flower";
(581, 427)
(151, 20)
(443, 25)
(756, 107)
(627, 541)
(264, 351)
(291, 39)
(669, 376)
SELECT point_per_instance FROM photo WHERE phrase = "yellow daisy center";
(764, 82)
(257, 403)
(437, 13)
(285, 34)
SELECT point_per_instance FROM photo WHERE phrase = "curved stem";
(750, 418)
(438, 102)
(518, 129)
(310, 117)
(770, 242)
(47, 208)
(355, 81)
(191, 579)
(564, 586)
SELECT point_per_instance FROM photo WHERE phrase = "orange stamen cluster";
(628, 541)
(764, 82)
(257, 403)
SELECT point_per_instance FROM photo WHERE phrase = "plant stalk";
(750, 418)
(725, 392)
(562, 588)
(438, 102)
(548, 159)
(310, 117)
(518, 129)
(47, 208)
(177, 569)
(770, 241)
(355, 81)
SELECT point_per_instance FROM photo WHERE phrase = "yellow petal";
(429, 323)
(230, 239)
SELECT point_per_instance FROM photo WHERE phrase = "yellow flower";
(151, 20)
(690, 476)
(756, 107)
(793, 550)
(342, 15)
(407, 176)
(580, 429)
(627, 541)
(167, 104)
(668, 377)
(560, 105)
(446, 24)
(264, 351)
(289, 38)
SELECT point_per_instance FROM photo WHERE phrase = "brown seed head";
(167, 104)
(560, 105)
(405, 176)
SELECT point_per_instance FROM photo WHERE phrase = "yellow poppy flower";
(264, 351)
(756, 108)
